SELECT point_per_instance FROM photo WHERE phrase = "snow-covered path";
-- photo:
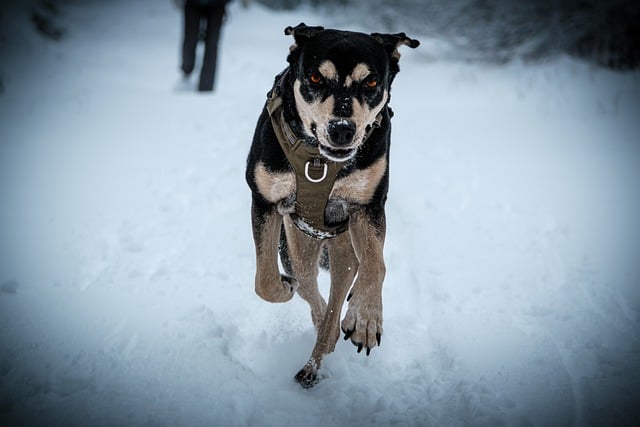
(512, 294)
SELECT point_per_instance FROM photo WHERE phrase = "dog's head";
(341, 82)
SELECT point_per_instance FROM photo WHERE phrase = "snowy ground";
(512, 294)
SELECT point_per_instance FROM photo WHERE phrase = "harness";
(315, 174)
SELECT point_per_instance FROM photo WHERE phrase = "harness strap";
(315, 174)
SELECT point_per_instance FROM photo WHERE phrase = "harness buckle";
(315, 164)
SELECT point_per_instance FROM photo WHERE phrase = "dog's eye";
(315, 78)
(371, 83)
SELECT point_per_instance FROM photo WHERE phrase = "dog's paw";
(281, 290)
(307, 377)
(363, 323)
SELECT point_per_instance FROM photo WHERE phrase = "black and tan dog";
(318, 170)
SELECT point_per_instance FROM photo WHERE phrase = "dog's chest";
(358, 187)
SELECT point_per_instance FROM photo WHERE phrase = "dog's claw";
(349, 296)
(368, 350)
(347, 334)
(378, 338)
(359, 347)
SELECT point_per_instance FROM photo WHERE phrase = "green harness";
(315, 174)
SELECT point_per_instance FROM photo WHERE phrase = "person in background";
(202, 20)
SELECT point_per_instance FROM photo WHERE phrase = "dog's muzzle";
(340, 133)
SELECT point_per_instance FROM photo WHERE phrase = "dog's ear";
(301, 33)
(392, 42)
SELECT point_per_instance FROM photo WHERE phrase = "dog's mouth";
(333, 153)
(337, 154)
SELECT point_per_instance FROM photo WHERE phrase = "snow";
(127, 262)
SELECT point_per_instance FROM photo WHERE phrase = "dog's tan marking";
(328, 70)
(364, 116)
(316, 114)
(274, 186)
(359, 73)
(360, 185)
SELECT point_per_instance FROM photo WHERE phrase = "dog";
(318, 170)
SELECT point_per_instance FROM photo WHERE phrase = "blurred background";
(600, 31)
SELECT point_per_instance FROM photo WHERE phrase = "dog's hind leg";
(343, 265)
(303, 257)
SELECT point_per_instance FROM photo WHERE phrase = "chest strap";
(315, 176)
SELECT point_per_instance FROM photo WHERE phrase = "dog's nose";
(341, 132)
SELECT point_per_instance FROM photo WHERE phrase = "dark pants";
(211, 16)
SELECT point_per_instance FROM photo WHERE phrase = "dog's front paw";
(307, 377)
(281, 289)
(363, 323)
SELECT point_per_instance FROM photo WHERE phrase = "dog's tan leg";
(343, 265)
(270, 285)
(304, 253)
(363, 321)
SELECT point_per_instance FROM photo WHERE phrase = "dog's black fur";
(336, 84)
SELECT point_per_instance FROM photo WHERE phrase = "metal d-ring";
(324, 173)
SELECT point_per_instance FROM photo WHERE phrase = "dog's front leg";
(363, 321)
(270, 285)
(343, 266)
